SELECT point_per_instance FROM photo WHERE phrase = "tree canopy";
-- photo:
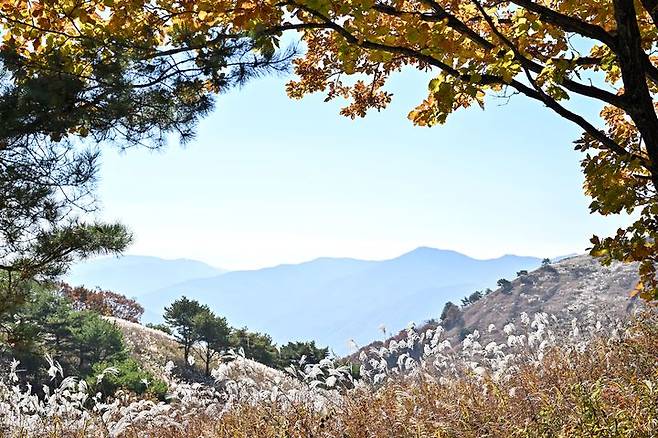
(548, 51)
(256, 346)
(78, 75)
(213, 336)
(181, 317)
(48, 324)
(293, 352)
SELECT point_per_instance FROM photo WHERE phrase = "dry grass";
(600, 386)
(608, 390)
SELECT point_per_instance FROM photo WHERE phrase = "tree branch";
(549, 101)
(568, 23)
(631, 58)
(607, 142)
(461, 27)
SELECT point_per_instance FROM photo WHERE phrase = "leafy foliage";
(293, 352)
(44, 190)
(136, 71)
(145, 68)
(48, 325)
(96, 340)
(111, 72)
(126, 374)
(256, 346)
(73, 75)
(504, 285)
(180, 316)
(103, 302)
(212, 335)
(475, 296)
(451, 316)
(161, 327)
(604, 376)
(196, 327)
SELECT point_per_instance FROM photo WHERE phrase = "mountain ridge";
(332, 300)
(136, 275)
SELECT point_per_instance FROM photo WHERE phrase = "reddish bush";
(104, 302)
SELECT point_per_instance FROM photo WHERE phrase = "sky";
(270, 180)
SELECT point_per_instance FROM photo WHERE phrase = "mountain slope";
(153, 349)
(575, 287)
(135, 276)
(334, 300)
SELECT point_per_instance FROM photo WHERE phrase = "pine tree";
(212, 335)
(180, 316)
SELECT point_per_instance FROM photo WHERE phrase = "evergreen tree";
(180, 317)
(505, 285)
(292, 352)
(256, 346)
(96, 340)
(48, 324)
(212, 335)
(54, 119)
(475, 296)
(161, 327)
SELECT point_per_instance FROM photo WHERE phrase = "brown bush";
(104, 302)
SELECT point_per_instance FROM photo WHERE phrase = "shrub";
(475, 296)
(505, 285)
(451, 316)
(256, 346)
(465, 331)
(96, 340)
(127, 375)
(292, 353)
(103, 302)
(599, 381)
(48, 324)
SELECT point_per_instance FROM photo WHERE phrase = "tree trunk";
(639, 103)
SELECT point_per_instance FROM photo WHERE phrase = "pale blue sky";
(269, 180)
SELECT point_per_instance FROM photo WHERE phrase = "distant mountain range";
(135, 276)
(329, 300)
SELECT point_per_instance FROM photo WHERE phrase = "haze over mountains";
(135, 276)
(329, 300)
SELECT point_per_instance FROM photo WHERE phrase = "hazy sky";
(269, 180)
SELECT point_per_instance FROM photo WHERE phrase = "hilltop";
(575, 287)
(154, 349)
